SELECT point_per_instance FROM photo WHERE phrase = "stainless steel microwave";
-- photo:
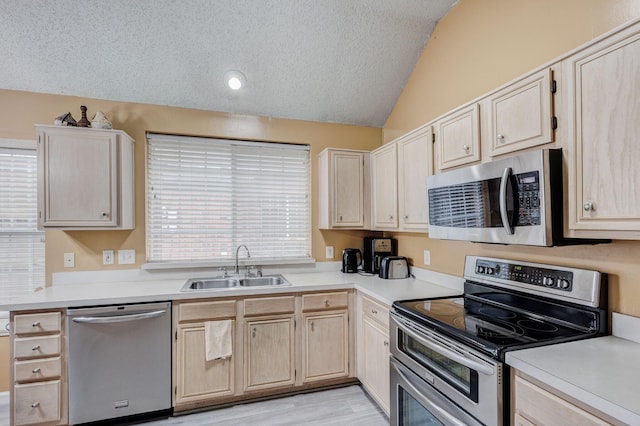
(515, 200)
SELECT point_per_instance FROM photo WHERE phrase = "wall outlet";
(69, 260)
(107, 257)
(126, 257)
(329, 252)
(427, 257)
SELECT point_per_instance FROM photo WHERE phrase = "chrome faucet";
(248, 256)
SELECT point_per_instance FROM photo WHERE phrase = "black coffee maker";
(376, 249)
(351, 259)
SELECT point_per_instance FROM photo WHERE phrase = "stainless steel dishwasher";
(119, 361)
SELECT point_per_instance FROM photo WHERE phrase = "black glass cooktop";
(490, 328)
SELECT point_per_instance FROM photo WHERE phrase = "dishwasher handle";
(119, 318)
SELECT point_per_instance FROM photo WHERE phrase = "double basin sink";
(222, 283)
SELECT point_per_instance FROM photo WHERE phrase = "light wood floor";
(344, 406)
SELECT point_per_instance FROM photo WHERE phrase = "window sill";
(226, 263)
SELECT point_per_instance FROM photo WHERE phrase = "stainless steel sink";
(210, 284)
(221, 283)
(267, 280)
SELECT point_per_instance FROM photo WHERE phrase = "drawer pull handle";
(326, 303)
(253, 333)
(386, 343)
(35, 404)
(36, 324)
(36, 370)
(374, 312)
(36, 348)
(312, 327)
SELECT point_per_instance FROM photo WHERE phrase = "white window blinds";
(21, 244)
(207, 196)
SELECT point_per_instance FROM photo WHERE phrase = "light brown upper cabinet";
(415, 163)
(521, 115)
(85, 178)
(603, 88)
(458, 137)
(384, 187)
(343, 185)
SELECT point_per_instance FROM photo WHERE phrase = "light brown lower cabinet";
(538, 404)
(325, 346)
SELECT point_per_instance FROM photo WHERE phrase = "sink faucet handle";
(225, 273)
(250, 272)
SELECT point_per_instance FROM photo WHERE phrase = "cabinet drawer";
(30, 347)
(312, 302)
(269, 305)
(37, 369)
(206, 310)
(37, 403)
(37, 323)
(376, 311)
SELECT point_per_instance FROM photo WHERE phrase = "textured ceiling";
(341, 61)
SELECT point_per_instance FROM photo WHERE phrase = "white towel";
(218, 341)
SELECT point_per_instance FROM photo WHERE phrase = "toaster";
(392, 267)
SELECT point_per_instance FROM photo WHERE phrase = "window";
(21, 244)
(207, 196)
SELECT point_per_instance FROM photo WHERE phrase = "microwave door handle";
(504, 215)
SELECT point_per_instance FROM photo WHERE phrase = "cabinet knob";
(588, 206)
(340, 218)
(36, 324)
(36, 370)
(466, 148)
(500, 137)
(104, 214)
(326, 303)
(406, 216)
(374, 312)
(312, 326)
(253, 333)
(35, 348)
(386, 343)
(35, 404)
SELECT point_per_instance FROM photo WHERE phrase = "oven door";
(414, 402)
(471, 380)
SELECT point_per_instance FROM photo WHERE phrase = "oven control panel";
(544, 277)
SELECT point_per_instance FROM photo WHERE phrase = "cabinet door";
(415, 163)
(79, 172)
(458, 137)
(37, 403)
(348, 189)
(384, 186)
(520, 115)
(325, 346)
(604, 176)
(196, 378)
(269, 356)
(375, 347)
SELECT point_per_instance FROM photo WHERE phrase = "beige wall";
(478, 46)
(21, 110)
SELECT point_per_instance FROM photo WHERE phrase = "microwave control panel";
(533, 275)
(528, 193)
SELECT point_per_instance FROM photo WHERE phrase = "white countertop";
(74, 294)
(601, 372)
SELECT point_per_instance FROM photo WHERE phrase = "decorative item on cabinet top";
(65, 119)
(84, 121)
(100, 121)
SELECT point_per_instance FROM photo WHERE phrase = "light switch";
(427, 257)
(329, 252)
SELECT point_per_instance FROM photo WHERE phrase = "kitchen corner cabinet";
(373, 349)
(85, 178)
(343, 187)
(603, 87)
(415, 163)
(269, 342)
(539, 404)
(325, 338)
(197, 380)
(39, 384)
(384, 187)
(458, 137)
(521, 114)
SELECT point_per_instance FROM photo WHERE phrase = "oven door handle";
(504, 214)
(443, 350)
(429, 405)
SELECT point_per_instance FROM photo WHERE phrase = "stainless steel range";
(447, 363)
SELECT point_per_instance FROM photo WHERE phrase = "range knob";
(480, 269)
(548, 281)
(490, 271)
(562, 283)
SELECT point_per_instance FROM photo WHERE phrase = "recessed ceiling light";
(235, 80)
